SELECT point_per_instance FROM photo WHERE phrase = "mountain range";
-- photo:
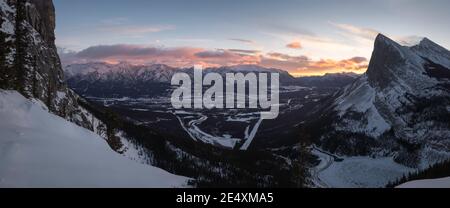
(129, 80)
(337, 130)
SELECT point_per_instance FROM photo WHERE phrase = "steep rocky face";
(399, 108)
(42, 18)
(29, 61)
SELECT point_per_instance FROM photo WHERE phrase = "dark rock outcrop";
(31, 64)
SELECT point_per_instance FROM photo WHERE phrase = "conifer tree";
(35, 79)
(21, 56)
(3, 54)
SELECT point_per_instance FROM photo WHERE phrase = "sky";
(304, 37)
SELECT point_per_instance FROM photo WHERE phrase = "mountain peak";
(386, 53)
(429, 44)
(433, 52)
(384, 40)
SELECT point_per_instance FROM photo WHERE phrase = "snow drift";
(429, 183)
(39, 149)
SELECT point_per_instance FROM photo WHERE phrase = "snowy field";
(430, 183)
(39, 149)
(356, 172)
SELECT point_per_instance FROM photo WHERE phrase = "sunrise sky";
(302, 37)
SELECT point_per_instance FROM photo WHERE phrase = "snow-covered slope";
(39, 149)
(398, 108)
(429, 183)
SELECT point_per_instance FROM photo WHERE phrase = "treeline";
(210, 166)
(440, 170)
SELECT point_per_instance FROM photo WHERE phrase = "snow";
(7, 26)
(39, 149)
(360, 98)
(240, 118)
(429, 183)
(132, 151)
(362, 172)
(121, 71)
(433, 51)
(382, 99)
(5, 7)
(410, 41)
(249, 138)
(60, 96)
(196, 134)
(287, 89)
(191, 124)
(355, 172)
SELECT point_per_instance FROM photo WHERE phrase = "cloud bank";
(189, 56)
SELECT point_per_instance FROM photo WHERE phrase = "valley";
(226, 128)
(103, 116)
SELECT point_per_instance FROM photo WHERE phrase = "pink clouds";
(177, 56)
(135, 52)
(295, 45)
(303, 65)
(189, 56)
(355, 64)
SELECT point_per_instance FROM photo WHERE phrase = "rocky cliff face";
(29, 64)
(29, 61)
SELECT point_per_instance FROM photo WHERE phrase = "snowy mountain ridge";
(398, 108)
(395, 73)
(127, 72)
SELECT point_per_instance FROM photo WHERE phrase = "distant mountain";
(119, 80)
(124, 72)
(331, 80)
(399, 108)
(128, 80)
(154, 73)
(285, 77)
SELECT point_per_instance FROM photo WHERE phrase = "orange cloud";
(295, 45)
(189, 56)
(176, 57)
(304, 66)
(355, 64)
